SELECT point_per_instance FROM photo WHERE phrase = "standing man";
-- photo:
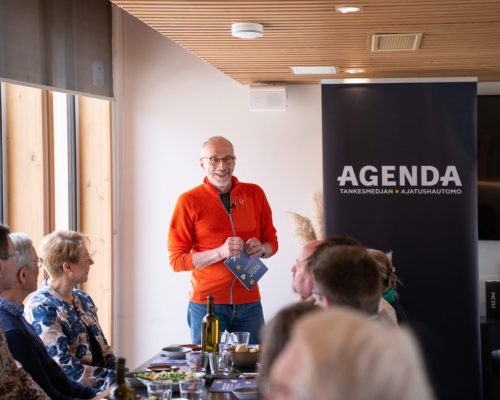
(218, 219)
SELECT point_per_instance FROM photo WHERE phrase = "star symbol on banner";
(238, 267)
(252, 282)
(243, 276)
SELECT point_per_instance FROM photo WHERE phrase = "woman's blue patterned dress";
(64, 328)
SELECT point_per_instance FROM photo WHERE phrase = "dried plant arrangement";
(319, 216)
(305, 229)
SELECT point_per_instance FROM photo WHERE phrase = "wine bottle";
(210, 328)
(120, 390)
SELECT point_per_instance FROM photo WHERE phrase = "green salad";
(174, 376)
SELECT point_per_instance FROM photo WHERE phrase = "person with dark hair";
(301, 272)
(15, 382)
(23, 341)
(332, 241)
(347, 276)
(276, 333)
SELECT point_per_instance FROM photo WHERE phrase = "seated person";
(389, 282)
(348, 276)
(275, 334)
(15, 382)
(23, 342)
(65, 318)
(338, 354)
(303, 282)
(302, 277)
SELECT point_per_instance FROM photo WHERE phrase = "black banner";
(399, 164)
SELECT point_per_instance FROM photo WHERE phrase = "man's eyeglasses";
(214, 161)
(88, 259)
(5, 257)
(38, 262)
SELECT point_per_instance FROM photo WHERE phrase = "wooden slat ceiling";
(460, 37)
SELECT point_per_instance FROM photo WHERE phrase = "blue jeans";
(232, 317)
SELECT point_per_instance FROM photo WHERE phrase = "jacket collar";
(213, 191)
(10, 307)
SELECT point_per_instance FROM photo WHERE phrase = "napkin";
(228, 385)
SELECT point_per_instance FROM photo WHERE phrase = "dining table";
(240, 375)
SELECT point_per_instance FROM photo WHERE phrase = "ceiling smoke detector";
(247, 30)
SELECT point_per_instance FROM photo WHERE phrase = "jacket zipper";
(234, 234)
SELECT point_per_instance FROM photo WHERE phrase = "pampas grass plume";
(303, 228)
(319, 217)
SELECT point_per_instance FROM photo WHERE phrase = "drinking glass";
(197, 361)
(159, 390)
(193, 389)
(219, 362)
(224, 341)
(240, 338)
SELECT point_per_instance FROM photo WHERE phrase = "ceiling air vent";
(396, 41)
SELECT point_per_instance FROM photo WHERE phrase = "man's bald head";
(302, 277)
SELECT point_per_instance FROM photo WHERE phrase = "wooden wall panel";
(27, 151)
(95, 204)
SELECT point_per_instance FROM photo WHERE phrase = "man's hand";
(255, 248)
(231, 247)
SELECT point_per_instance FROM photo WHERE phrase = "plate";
(245, 393)
(163, 367)
(136, 379)
(176, 351)
(194, 347)
(150, 376)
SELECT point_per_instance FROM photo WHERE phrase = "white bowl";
(176, 351)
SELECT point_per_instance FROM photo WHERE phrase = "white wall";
(168, 103)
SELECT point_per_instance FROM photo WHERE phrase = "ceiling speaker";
(267, 98)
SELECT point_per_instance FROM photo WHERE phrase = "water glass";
(193, 389)
(224, 341)
(219, 362)
(159, 390)
(240, 338)
(197, 361)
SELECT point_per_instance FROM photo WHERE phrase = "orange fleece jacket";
(200, 222)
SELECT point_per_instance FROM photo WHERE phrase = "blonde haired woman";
(389, 282)
(65, 318)
(339, 354)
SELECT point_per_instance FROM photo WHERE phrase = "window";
(56, 174)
